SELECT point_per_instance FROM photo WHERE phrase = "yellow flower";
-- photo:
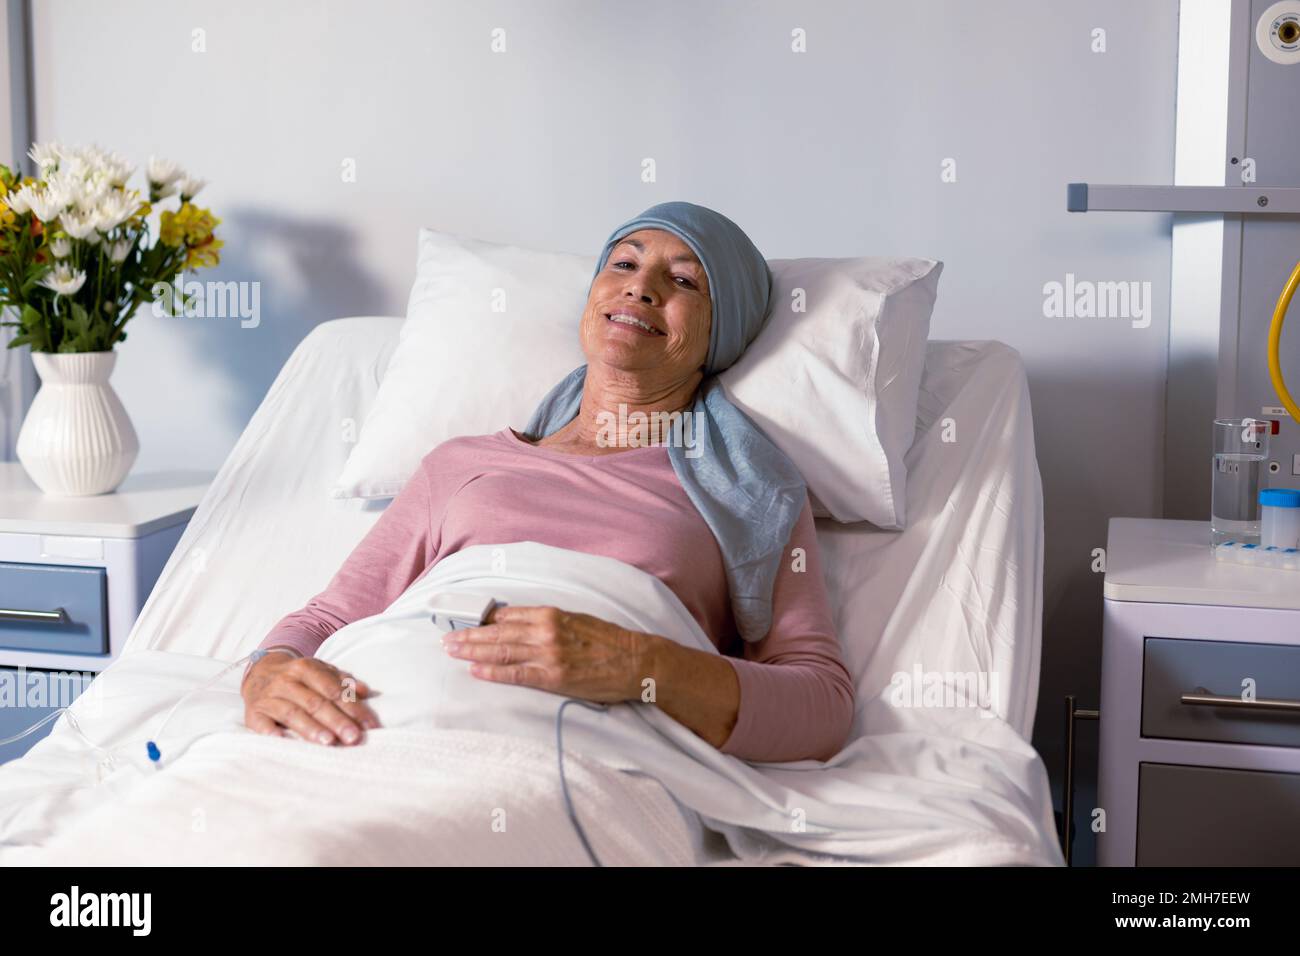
(205, 254)
(188, 226)
(170, 231)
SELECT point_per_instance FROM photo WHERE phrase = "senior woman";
(677, 295)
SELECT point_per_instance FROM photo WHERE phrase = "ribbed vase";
(76, 439)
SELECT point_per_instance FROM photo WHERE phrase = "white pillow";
(834, 377)
(490, 328)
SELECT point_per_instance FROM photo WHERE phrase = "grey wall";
(832, 152)
(17, 374)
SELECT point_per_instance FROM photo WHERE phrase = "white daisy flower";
(189, 186)
(63, 188)
(109, 166)
(94, 155)
(46, 156)
(79, 226)
(116, 169)
(163, 172)
(62, 248)
(117, 251)
(62, 280)
(72, 166)
(20, 200)
(48, 203)
(91, 193)
(113, 210)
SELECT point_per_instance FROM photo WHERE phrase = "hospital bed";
(956, 596)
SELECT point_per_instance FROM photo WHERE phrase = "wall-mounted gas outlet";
(1278, 32)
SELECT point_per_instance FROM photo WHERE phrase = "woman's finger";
(523, 674)
(332, 683)
(503, 613)
(260, 723)
(288, 714)
(516, 632)
(494, 652)
(321, 707)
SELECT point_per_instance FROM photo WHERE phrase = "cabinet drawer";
(1174, 667)
(78, 594)
(1210, 816)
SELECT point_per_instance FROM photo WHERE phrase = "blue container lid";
(1280, 498)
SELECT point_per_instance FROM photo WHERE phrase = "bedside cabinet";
(1200, 704)
(74, 575)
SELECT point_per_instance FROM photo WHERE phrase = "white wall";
(834, 152)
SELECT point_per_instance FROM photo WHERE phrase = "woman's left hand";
(559, 651)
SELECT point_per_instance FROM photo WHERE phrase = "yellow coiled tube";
(1275, 344)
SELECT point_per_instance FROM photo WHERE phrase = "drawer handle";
(1206, 698)
(56, 616)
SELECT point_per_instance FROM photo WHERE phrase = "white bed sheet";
(958, 591)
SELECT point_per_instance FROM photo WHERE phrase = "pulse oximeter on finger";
(452, 611)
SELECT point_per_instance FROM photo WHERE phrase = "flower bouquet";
(77, 260)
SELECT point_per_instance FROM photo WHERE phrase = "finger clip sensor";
(452, 611)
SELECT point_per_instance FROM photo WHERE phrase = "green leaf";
(80, 321)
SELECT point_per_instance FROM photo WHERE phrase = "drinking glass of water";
(1240, 450)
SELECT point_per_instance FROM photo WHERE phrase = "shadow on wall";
(1079, 496)
(306, 272)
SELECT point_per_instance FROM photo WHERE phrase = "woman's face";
(654, 277)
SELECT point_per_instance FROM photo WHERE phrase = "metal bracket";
(1243, 200)
(1072, 714)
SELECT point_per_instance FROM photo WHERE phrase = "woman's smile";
(632, 322)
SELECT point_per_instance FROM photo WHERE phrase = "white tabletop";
(1170, 562)
(145, 502)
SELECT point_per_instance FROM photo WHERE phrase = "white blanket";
(464, 770)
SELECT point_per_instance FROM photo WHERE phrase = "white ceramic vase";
(76, 438)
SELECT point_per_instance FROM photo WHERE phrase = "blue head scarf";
(748, 492)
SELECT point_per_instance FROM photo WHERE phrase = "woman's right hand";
(315, 700)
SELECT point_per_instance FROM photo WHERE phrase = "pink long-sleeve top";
(796, 697)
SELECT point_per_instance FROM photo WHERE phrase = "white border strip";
(1196, 259)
